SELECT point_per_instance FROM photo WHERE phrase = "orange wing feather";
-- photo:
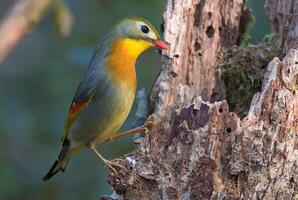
(73, 112)
(75, 108)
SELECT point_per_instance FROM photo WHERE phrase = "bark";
(18, 22)
(283, 16)
(197, 148)
(198, 32)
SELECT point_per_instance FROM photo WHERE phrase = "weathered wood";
(207, 152)
(198, 149)
(283, 15)
(265, 156)
(198, 32)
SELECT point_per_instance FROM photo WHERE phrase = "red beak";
(161, 44)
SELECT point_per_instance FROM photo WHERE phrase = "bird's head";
(141, 30)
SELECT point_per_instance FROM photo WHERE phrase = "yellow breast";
(121, 67)
(122, 58)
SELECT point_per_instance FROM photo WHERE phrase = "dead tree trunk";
(283, 16)
(197, 149)
(198, 32)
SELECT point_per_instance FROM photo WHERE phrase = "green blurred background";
(37, 82)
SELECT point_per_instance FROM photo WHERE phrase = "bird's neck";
(122, 58)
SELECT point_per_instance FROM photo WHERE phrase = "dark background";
(37, 82)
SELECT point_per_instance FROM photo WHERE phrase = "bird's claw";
(113, 164)
(148, 124)
(117, 160)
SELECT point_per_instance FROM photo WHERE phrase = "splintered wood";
(198, 149)
(207, 152)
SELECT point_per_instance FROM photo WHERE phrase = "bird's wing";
(94, 82)
(80, 101)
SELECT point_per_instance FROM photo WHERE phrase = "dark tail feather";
(59, 165)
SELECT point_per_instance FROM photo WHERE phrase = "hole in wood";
(176, 55)
(195, 112)
(209, 15)
(229, 130)
(210, 31)
(197, 46)
(220, 110)
(173, 74)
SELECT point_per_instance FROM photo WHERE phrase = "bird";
(105, 96)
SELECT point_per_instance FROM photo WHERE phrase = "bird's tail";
(59, 164)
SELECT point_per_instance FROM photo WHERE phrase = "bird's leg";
(109, 163)
(142, 129)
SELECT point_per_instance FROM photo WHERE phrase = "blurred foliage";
(37, 83)
(63, 17)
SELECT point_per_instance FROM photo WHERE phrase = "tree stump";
(197, 148)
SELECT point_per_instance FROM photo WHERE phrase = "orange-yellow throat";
(122, 58)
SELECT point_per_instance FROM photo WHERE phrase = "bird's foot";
(144, 129)
(148, 124)
(109, 163)
(112, 164)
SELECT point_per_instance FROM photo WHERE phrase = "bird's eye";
(144, 29)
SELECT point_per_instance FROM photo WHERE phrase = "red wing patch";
(73, 112)
(75, 108)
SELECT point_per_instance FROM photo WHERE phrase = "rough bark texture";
(197, 149)
(198, 32)
(207, 152)
(283, 16)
